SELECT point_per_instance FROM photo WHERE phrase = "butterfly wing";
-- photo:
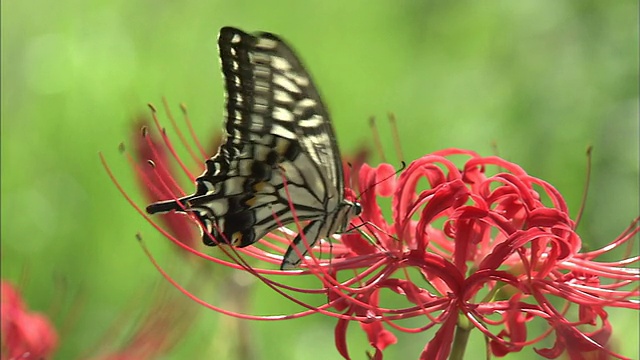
(276, 128)
(313, 126)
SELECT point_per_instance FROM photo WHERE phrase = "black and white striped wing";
(277, 130)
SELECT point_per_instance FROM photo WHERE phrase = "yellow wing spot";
(251, 201)
(259, 186)
(236, 238)
(282, 146)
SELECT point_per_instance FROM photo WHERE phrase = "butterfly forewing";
(279, 145)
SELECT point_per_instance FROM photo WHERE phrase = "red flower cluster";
(465, 248)
(25, 334)
(484, 246)
(30, 335)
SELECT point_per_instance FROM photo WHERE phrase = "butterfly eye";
(280, 149)
(357, 209)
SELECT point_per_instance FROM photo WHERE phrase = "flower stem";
(463, 329)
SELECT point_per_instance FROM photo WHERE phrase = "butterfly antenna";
(369, 235)
(402, 167)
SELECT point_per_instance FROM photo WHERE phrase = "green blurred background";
(540, 80)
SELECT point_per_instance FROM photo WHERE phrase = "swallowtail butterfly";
(276, 126)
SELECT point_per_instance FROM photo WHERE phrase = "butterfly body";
(279, 150)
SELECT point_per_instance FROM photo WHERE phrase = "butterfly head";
(356, 210)
(348, 211)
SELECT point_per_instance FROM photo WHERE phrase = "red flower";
(464, 249)
(30, 335)
(487, 245)
(154, 168)
(25, 334)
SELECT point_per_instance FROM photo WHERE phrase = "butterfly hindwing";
(279, 147)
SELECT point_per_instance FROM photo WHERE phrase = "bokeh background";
(538, 81)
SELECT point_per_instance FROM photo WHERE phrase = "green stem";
(461, 338)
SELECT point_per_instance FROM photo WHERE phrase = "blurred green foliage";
(540, 80)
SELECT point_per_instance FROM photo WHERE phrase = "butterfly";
(279, 147)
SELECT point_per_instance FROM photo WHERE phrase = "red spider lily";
(25, 334)
(486, 245)
(30, 335)
(146, 148)
(464, 249)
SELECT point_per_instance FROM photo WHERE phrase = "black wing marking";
(275, 125)
(313, 124)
